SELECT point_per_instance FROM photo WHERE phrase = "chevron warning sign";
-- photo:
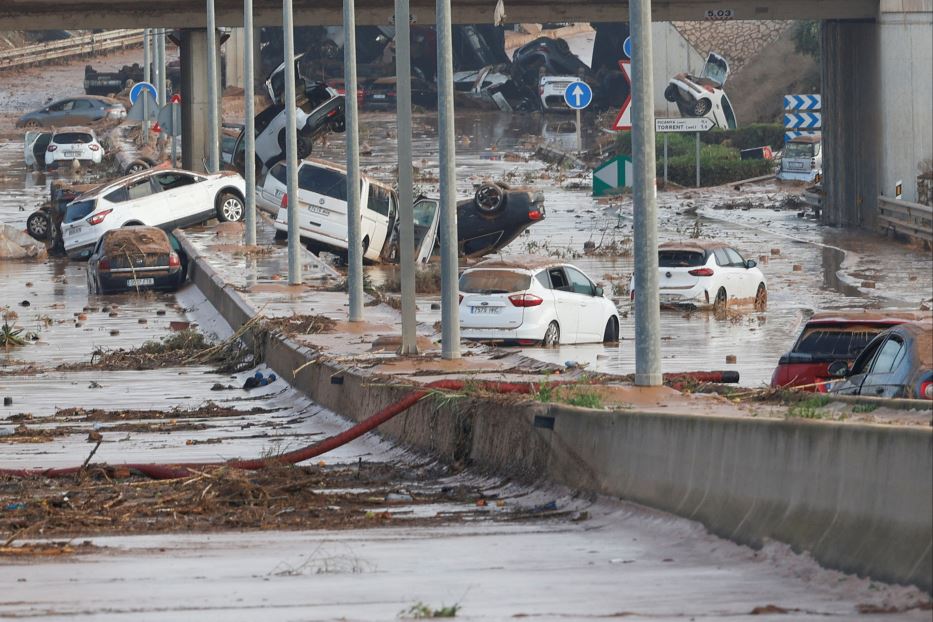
(790, 135)
(803, 120)
(803, 102)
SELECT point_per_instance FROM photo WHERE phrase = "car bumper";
(807, 176)
(531, 329)
(120, 283)
(696, 296)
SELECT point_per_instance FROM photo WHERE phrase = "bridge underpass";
(877, 86)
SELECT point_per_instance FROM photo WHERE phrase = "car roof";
(807, 138)
(100, 188)
(881, 318)
(921, 333)
(340, 169)
(73, 128)
(692, 245)
(519, 262)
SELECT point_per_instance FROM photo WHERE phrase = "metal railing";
(907, 218)
(73, 46)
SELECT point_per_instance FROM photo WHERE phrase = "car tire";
(611, 334)
(32, 124)
(305, 145)
(38, 226)
(229, 207)
(670, 93)
(136, 166)
(489, 199)
(721, 301)
(339, 126)
(761, 297)
(280, 235)
(551, 335)
(701, 107)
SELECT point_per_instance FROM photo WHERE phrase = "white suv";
(63, 145)
(165, 198)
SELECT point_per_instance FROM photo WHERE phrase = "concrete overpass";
(72, 14)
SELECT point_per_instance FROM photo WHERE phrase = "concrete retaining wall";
(858, 498)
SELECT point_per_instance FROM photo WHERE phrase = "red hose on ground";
(171, 471)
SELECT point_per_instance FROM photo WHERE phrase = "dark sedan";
(896, 363)
(135, 259)
(74, 111)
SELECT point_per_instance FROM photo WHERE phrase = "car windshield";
(494, 282)
(843, 342)
(716, 69)
(798, 150)
(681, 259)
(72, 138)
(78, 210)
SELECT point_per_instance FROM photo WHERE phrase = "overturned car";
(703, 95)
(486, 223)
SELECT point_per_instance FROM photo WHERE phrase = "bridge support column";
(851, 122)
(195, 102)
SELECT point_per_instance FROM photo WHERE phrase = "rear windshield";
(845, 343)
(323, 181)
(798, 150)
(72, 138)
(494, 282)
(78, 210)
(681, 259)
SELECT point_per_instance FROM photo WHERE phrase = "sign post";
(696, 125)
(578, 96)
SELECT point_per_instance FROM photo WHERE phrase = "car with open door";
(896, 363)
(134, 259)
(802, 159)
(706, 273)
(73, 144)
(161, 197)
(534, 300)
(703, 95)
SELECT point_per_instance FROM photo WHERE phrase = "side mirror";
(599, 292)
(750, 263)
(838, 369)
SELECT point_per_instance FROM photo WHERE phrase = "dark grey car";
(73, 111)
(896, 363)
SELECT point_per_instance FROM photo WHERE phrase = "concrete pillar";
(851, 122)
(194, 99)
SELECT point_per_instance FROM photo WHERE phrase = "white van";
(322, 198)
(802, 159)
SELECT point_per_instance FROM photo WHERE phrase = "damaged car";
(703, 95)
(72, 111)
(65, 144)
(802, 159)
(495, 216)
(135, 259)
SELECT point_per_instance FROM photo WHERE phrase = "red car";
(829, 337)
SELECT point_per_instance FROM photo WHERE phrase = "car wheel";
(136, 166)
(339, 126)
(38, 226)
(611, 334)
(489, 199)
(670, 93)
(551, 335)
(280, 235)
(304, 147)
(229, 207)
(722, 299)
(761, 297)
(701, 107)
(32, 124)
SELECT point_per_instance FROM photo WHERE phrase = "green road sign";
(612, 175)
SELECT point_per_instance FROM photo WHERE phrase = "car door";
(590, 320)
(741, 280)
(852, 384)
(140, 202)
(565, 301)
(378, 215)
(67, 115)
(183, 198)
(34, 148)
(884, 378)
(724, 274)
(427, 217)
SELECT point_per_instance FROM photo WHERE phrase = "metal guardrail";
(907, 218)
(73, 46)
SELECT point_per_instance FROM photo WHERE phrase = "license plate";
(138, 282)
(485, 310)
(378, 96)
(314, 209)
(72, 154)
(72, 231)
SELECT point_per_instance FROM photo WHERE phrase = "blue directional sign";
(578, 95)
(803, 120)
(803, 102)
(139, 87)
(627, 47)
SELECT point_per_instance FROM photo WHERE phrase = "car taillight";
(103, 265)
(174, 261)
(926, 390)
(332, 113)
(702, 272)
(94, 147)
(96, 219)
(284, 201)
(52, 148)
(525, 300)
(535, 215)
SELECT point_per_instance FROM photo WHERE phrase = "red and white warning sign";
(624, 118)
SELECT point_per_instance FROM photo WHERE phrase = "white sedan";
(159, 197)
(700, 273)
(534, 300)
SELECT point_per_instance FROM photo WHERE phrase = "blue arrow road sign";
(627, 47)
(803, 120)
(578, 95)
(803, 102)
(139, 87)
